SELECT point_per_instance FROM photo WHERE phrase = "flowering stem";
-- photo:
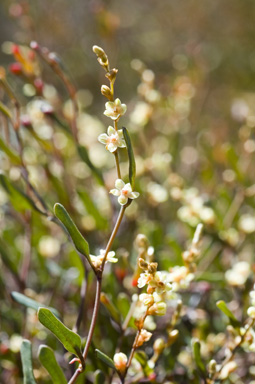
(117, 164)
(98, 293)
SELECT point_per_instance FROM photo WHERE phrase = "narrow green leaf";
(142, 358)
(26, 360)
(85, 157)
(10, 153)
(99, 377)
(131, 157)
(8, 259)
(101, 222)
(113, 311)
(197, 355)
(5, 111)
(79, 242)
(18, 198)
(48, 360)
(103, 357)
(223, 307)
(70, 340)
(30, 303)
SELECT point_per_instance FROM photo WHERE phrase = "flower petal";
(128, 187)
(122, 200)
(103, 138)
(119, 184)
(115, 192)
(112, 147)
(134, 195)
(117, 103)
(111, 130)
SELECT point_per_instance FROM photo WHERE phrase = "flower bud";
(111, 75)
(141, 241)
(227, 369)
(159, 345)
(15, 68)
(98, 51)
(120, 362)
(158, 309)
(152, 268)
(212, 367)
(34, 45)
(142, 264)
(172, 336)
(105, 90)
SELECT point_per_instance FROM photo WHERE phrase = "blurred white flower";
(114, 109)
(247, 223)
(113, 139)
(143, 337)
(123, 191)
(120, 361)
(238, 274)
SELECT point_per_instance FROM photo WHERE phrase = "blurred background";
(187, 75)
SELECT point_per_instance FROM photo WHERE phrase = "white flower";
(97, 260)
(161, 281)
(143, 337)
(123, 191)
(238, 274)
(113, 139)
(144, 279)
(146, 299)
(114, 109)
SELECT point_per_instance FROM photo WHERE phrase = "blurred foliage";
(186, 73)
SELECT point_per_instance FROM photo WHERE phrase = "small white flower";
(144, 279)
(123, 191)
(114, 109)
(143, 337)
(112, 139)
(97, 260)
(146, 299)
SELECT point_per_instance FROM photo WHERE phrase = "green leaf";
(79, 242)
(8, 259)
(131, 157)
(99, 377)
(232, 319)
(18, 198)
(103, 357)
(101, 222)
(113, 311)
(197, 355)
(10, 153)
(85, 157)
(48, 360)
(30, 303)
(70, 340)
(26, 360)
(5, 111)
(142, 358)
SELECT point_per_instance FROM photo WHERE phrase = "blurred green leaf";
(26, 360)
(18, 198)
(48, 360)
(99, 377)
(79, 242)
(103, 357)
(142, 358)
(123, 303)
(113, 311)
(30, 303)
(131, 157)
(232, 319)
(197, 356)
(70, 340)
(101, 222)
(7, 258)
(85, 157)
(10, 153)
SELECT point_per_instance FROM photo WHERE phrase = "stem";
(98, 293)
(82, 303)
(117, 164)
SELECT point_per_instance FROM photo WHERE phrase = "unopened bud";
(159, 345)
(212, 367)
(34, 45)
(172, 336)
(111, 75)
(120, 362)
(143, 264)
(152, 268)
(158, 309)
(105, 90)
(98, 51)
(141, 241)
(101, 56)
(143, 337)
